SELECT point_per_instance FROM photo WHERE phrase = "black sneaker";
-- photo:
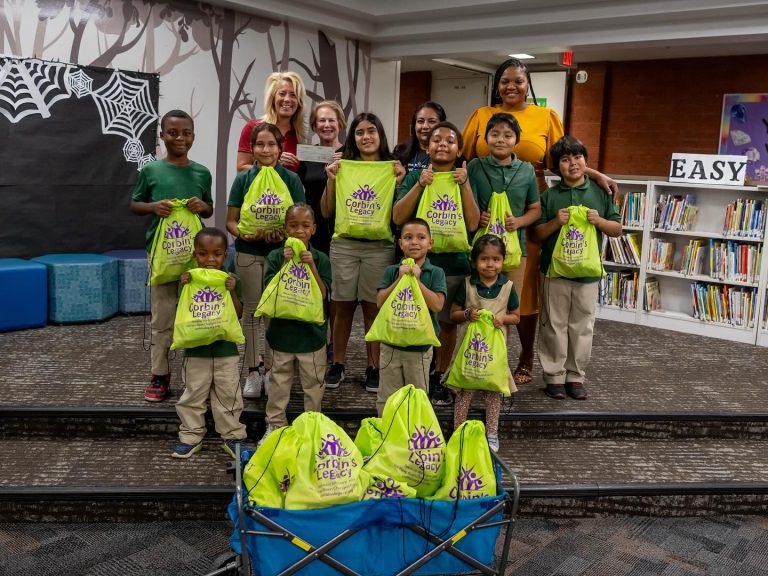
(334, 375)
(372, 379)
(439, 394)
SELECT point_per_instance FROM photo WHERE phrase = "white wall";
(385, 96)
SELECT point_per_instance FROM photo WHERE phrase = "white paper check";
(307, 153)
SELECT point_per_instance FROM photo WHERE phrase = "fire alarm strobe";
(581, 76)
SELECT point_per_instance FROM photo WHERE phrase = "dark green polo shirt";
(488, 292)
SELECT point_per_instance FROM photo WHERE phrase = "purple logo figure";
(364, 193)
(176, 230)
(269, 199)
(469, 480)
(285, 483)
(422, 439)
(477, 343)
(331, 446)
(207, 294)
(445, 203)
(497, 228)
(389, 488)
(298, 271)
(406, 294)
(574, 234)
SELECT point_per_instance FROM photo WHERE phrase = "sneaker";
(439, 394)
(334, 375)
(264, 380)
(254, 384)
(270, 428)
(159, 388)
(230, 447)
(372, 379)
(576, 390)
(186, 450)
(493, 442)
(556, 391)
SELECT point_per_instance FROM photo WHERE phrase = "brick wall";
(415, 88)
(650, 109)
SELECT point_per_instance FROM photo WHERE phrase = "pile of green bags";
(314, 464)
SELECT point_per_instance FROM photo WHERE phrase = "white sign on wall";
(708, 169)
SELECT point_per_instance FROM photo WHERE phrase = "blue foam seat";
(24, 294)
(133, 292)
(81, 287)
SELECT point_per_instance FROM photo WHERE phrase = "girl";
(252, 249)
(283, 107)
(486, 289)
(444, 145)
(358, 264)
(414, 155)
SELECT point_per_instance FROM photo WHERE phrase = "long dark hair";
(404, 152)
(511, 63)
(352, 152)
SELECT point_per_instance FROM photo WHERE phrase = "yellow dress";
(540, 128)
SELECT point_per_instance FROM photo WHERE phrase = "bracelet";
(465, 181)
(466, 314)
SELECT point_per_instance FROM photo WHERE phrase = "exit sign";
(566, 59)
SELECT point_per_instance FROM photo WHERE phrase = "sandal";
(522, 375)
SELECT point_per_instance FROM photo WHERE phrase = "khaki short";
(357, 268)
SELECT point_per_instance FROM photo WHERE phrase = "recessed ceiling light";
(522, 56)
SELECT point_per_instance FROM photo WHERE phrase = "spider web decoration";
(79, 82)
(144, 160)
(30, 87)
(125, 107)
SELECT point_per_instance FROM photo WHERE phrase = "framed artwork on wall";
(744, 132)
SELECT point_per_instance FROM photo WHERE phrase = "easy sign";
(708, 169)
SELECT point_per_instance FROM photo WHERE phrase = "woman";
(540, 129)
(283, 107)
(327, 121)
(358, 264)
(414, 155)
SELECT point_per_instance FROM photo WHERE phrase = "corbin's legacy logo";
(469, 482)
(426, 448)
(363, 201)
(444, 211)
(497, 228)
(296, 279)
(573, 243)
(176, 238)
(387, 488)
(334, 462)
(207, 303)
(403, 306)
(476, 355)
(176, 230)
(269, 199)
(268, 207)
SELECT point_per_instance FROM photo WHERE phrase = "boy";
(568, 304)
(410, 365)
(293, 340)
(174, 177)
(212, 370)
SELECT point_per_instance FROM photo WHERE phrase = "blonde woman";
(284, 107)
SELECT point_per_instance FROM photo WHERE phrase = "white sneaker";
(267, 432)
(493, 442)
(264, 381)
(254, 384)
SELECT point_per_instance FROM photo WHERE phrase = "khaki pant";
(250, 269)
(518, 277)
(312, 367)
(399, 368)
(566, 325)
(163, 300)
(218, 378)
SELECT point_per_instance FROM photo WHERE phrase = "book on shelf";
(675, 212)
(745, 217)
(735, 261)
(624, 249)
(619, 288)
(633, 209)
(652, 299)
(723, 304)
(662, 255)
(693, 258)
(765, 311)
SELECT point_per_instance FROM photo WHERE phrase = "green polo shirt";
(560, 196)
(220, 348)
(433, 278)
(488, 292)
(294, 336)
(237, 196)
(517, 179)
(160, 180)
(452, 263)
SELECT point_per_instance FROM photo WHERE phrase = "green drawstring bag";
(272, 468)
(365, 193)
(440, 206)
(265, 203)
(481, 358)
(329, 467)
(368, 436)
(498, 207)
(386, 487)
(404, 320)
(576, 253)
(205, 312)
(468, 466)
(173, 243)
(293, 293)
(412, 450)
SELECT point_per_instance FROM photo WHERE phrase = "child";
(487, 289)
(568, 304)
(410, 365)
(252, 249)
(293, 340)
(211, 370)
(174, 177)
(444, 146)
